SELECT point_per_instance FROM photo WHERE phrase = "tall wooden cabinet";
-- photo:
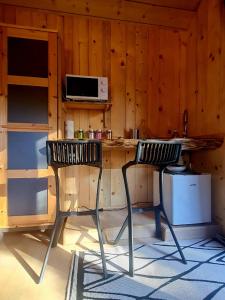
(28, 117)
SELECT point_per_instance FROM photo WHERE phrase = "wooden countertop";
(189, 144)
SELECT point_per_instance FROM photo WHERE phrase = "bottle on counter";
(91, 134)
(69, 129)
(98, 134)
(109, 134)
(80, 134)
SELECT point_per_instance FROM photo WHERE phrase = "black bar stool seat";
(64, 153)
(159, 154)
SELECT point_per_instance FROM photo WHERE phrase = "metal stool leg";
(95, 221)
(166, 218)
(118, 237)
(49, 248)
(174, 237)
(58, 231)
(99, 227)
(130, 222)
(59, 226)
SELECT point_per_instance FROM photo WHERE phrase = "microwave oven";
(87, 88)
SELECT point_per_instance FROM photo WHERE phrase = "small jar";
(109, 134)
(98, 134)
(80, 134)
(91, 135)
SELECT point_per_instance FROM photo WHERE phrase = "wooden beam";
(112, 9)
(179, 4)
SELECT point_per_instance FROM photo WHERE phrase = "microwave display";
(82, 86)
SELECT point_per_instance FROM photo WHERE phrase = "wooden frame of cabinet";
(51, 82)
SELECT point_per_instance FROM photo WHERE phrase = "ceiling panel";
(180, 4)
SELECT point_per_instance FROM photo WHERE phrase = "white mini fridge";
(187, 197)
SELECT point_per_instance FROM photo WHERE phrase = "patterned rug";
(159, 274)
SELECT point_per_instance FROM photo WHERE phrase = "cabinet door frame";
(51, 128)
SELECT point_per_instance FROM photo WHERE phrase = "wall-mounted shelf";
(105, 106)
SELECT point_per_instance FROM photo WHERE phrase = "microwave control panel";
(103, 88)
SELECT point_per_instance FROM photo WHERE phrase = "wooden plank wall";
(147, 80)
(206, 93)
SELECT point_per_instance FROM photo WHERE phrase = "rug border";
(72, 278)
(75, 278)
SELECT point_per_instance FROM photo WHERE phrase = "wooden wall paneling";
(215, 162)
(192, 89)
(130, 79)
(1, 13)
(169, 109)
(83, 35)
(68, 44)
(222, 73)
(202, 62)
(118, 75)
(107, 64)
(72, 175)
(85, 172)
(183, 4)
(72, 182)
(106, 48)
(141, 104)
(183, 37)
(154, 107)
(3, 131)
(118, 198)
(112, 9)
(131, 101)
(23, 16)
(9, 14)
(39, 19)
(113, 54)
(210, 63)
(141, 79)
(214, 67)
(57, 23)
(96, 57)
(52, 21)
(76, 62)
(76, 46)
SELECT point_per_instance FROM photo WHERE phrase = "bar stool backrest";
(64, 153)
(158, 153)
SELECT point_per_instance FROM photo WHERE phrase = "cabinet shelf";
(28, 80)
(105, 106)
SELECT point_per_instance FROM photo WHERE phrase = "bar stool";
(64, 153)
(159, 154)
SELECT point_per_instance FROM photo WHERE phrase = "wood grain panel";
(112, 9)
(206, 51)
(153, 82)
(168, 87)
(182, 4)
(146, 91)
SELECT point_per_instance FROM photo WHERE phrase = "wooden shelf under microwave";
(105, 106)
